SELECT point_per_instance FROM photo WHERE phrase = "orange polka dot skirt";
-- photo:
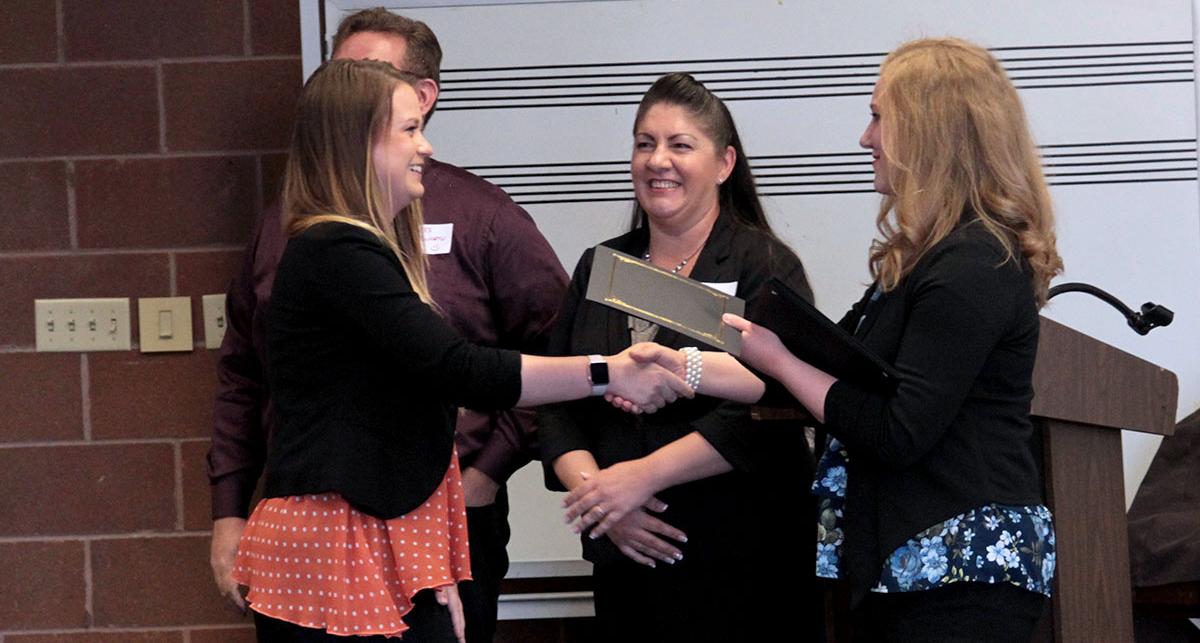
(317, 562)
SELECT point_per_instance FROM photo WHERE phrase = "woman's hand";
(719, 374)
(649, 353)
(606, 497)
(645, 385)
(448, 596)
(644, 538)
(761, 347)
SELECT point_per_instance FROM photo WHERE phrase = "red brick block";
(99, 637)
(273, 166)
(225, 635)
(28, 32)
(141, 29)
(150, 582)
(33, 206)
(42, 585)
(207, 272)
(78, 110)
(156, 203)
(197, 501)
(230, 105)
(137, 395)
(40, 399)
(275, 27)
(94, 489)
(125, 275)
(204, 273)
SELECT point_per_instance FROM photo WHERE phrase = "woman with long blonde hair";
(930, 497)
(362, 529)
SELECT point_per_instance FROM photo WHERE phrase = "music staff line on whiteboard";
(600, 84)
(848, 172)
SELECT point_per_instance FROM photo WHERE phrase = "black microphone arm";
(1151, 316)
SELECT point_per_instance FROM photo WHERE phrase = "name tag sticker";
(727, 287)
(438, 238)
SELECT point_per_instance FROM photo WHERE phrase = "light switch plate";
(65, 325)
(214, 320)
(165, 324)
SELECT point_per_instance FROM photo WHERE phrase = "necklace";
(679, 266)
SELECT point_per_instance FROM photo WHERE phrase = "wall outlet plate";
(214, 320)
(66, 325)
(165, 324)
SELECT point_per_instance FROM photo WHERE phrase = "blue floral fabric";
(989, 544)
(830, 489)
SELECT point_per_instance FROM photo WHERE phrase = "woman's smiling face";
(677, 170)
(400, 153)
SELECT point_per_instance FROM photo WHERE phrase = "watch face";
(599, 372)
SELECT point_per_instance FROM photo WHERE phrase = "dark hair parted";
(738, 195)
(423, 53)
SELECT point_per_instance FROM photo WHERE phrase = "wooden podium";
(1086, 392)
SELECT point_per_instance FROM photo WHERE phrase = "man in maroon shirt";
(492, 273)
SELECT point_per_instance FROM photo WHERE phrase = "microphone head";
(1157, 315)
(1151, 317)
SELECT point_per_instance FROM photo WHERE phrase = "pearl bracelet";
(695, 367)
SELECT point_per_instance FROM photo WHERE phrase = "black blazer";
(364, 376)
(962, 329)
(733, 253)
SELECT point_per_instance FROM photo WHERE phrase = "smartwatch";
(597, 374)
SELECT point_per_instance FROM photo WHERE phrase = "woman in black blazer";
(684, 563)
(931, 498)
(362, 520)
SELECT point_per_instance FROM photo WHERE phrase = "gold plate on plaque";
(645, 291)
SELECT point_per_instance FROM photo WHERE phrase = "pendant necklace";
(679, 266)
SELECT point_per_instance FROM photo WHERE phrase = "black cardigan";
(733, 252)
(363, 376)
(962, 329)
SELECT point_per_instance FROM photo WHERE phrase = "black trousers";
(428, 622)
(706, 604)
(489, 532)
(958, 612)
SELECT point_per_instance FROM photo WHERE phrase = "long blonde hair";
(958, 144)
(346, 105)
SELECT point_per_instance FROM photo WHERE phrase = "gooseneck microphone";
(1151, 316)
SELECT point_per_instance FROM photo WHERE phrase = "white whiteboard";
(540, 98)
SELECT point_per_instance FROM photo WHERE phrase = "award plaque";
(655, 295)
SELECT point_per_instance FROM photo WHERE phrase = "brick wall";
(137, 140)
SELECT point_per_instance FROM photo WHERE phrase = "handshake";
(646, 377)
